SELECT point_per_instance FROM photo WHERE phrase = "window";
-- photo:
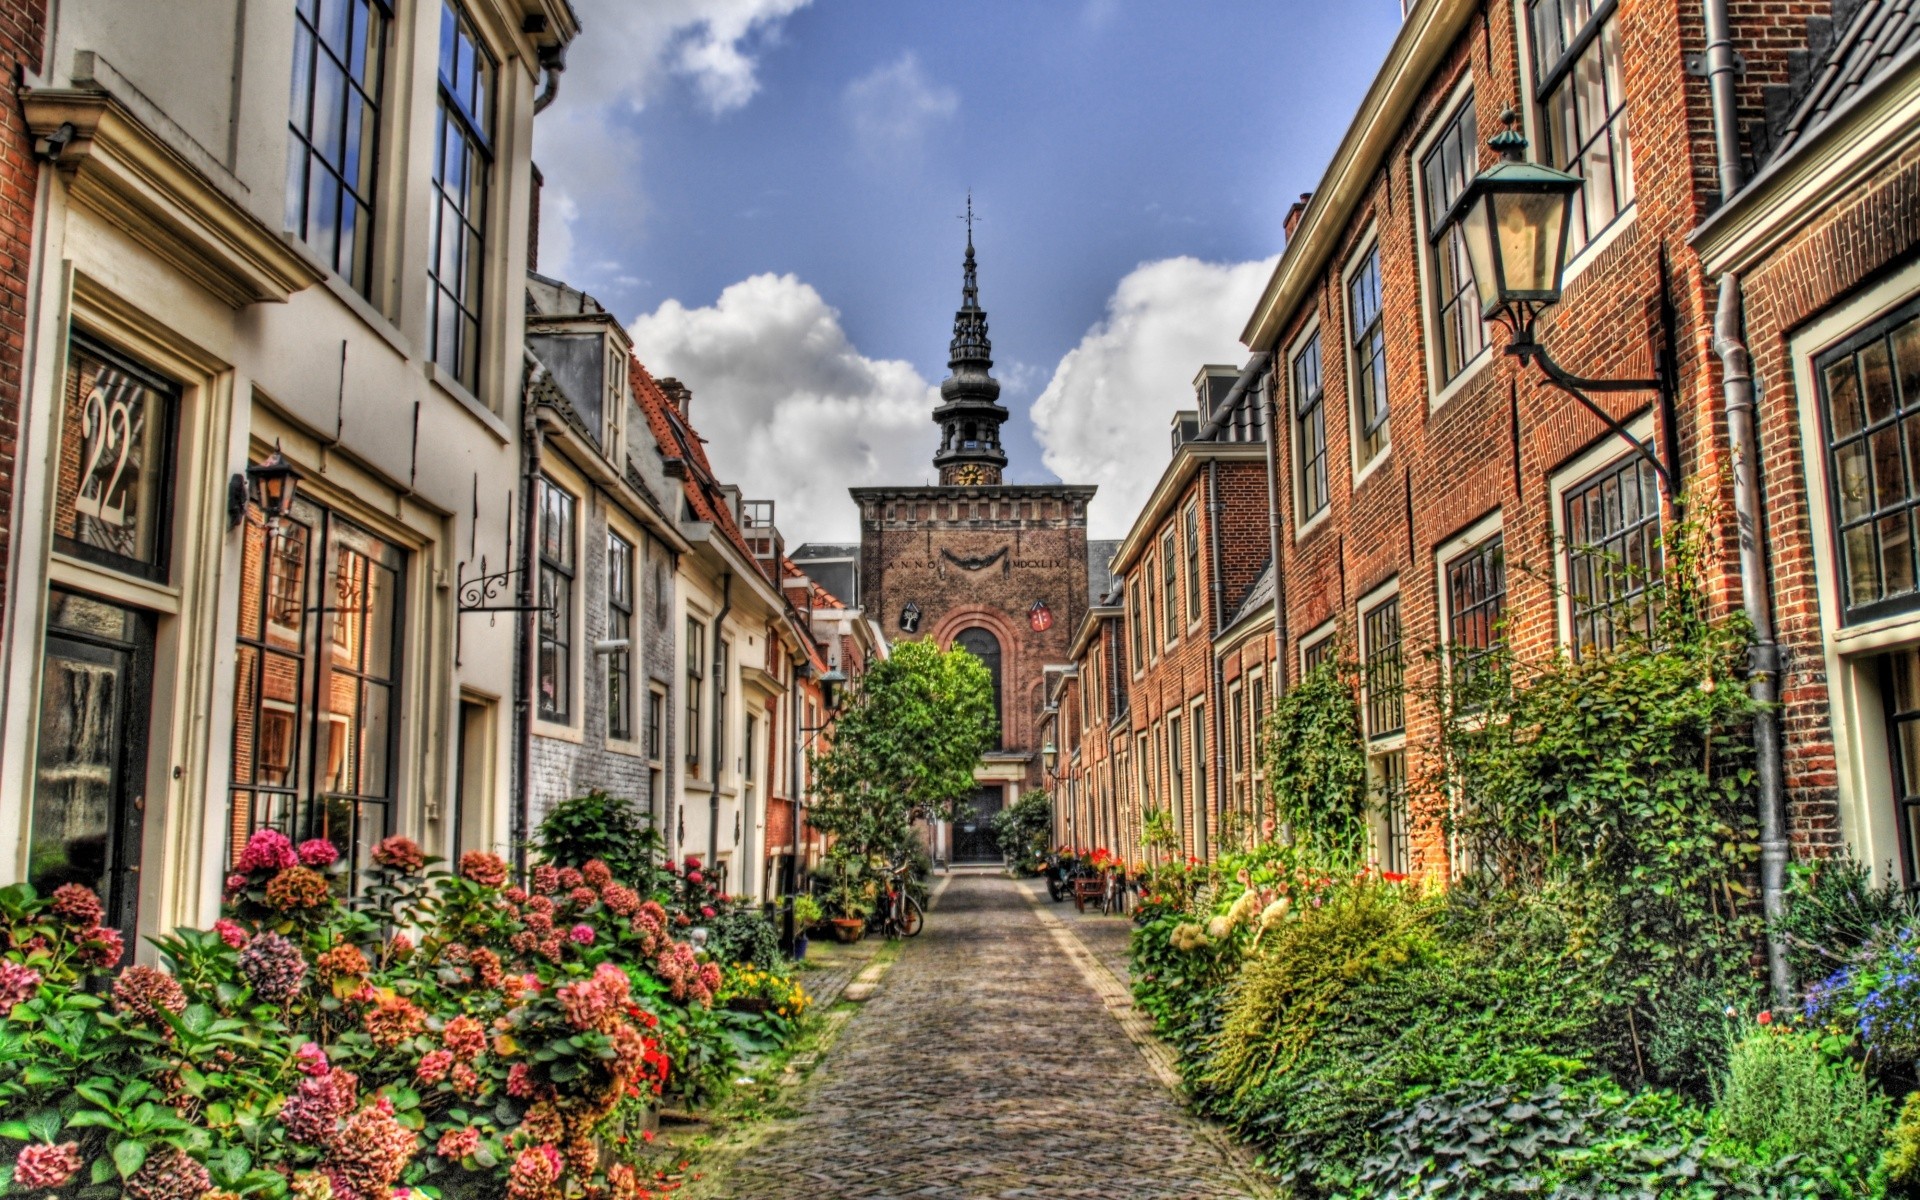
(1870, 402)
(620, 629)
(1316, 651)
(1613, 555)
(984, 646)
(1390, 793)
(462, 163)
(1449, 164)
(1176, 774)
(1476, 600)
(1201, 802)
(722, 670)
(1576, 71)
(1192, 523)
(1144, 764)
(1149, 607)
(696, 685)
(656, 725)
(753, 737)
(113, 492)
(1382, 669)
(1133, 625)
(1367, 329)
(339, 48)
(1309, 430)
(1237, 744)
(1170, 585)
(316, 683)
(554, 680)
(1901, 687)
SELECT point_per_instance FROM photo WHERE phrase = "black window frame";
(1367, 357)
(1383, 670)
(620, 604)
(1613, 125)
(558, 578)
(1170, 586)
(1904, 423)
(369, 53)
(455, 114)
(1191, 531)
(1313, 485)
(1476, 628)
(1390, 791)
(1585, 561)
(1460, 335)
(696, 685)
(160, 568)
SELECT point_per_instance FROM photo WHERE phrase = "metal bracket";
(1696, 64)
(1527, 350)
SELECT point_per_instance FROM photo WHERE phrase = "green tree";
(904, 748)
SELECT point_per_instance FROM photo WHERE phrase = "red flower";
(1765, 1018)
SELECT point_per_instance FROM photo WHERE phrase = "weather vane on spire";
(968, 218)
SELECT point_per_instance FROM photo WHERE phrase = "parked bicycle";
(900, 914)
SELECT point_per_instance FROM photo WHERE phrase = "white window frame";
(1439, 390)
(1311, 640)
(1366, 604)
(1604, 453)
(1296, 348)
(637, 683)
(573, 729)
(1367, 246)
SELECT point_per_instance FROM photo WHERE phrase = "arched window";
(984, 646)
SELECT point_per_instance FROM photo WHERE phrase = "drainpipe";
(793, 794)
(1214, 509)
(1737, 385)
(553, 60)
(530, 446)
(720, 690)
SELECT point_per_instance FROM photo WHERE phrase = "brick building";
(22, 45)
(1819, 244)
(997, 568)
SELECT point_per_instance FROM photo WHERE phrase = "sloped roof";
(1099, 569)
(678, 439)
(1867, 36)
(795, 579)
(1259, 599)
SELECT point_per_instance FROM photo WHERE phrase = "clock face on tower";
(970, 475)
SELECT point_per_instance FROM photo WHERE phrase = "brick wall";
(22, 32)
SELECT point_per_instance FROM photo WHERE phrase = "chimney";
(533, 219)
(1294, 214)
(678, 395)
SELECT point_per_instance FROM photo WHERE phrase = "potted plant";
(807, 913)
(849, 899)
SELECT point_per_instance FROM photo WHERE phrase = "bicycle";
(1113, 897)
(901, 915)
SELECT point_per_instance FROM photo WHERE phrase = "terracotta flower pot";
(847, 930)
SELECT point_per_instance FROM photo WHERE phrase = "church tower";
(970, 414)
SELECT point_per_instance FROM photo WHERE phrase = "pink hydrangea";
(311, 1060)
(466, 1080)
(581, 935)
(401, 854)
(18, 984)
(77, 905)
(267, 850)
(535, 1174)
(370, 1152)
(168, 1174)
(319, 853)
(546, 879)
(693, 876)
(596, 873)
(236, 884)
(706, 910)
(399, 947)
(458, 1143)
(312, 1114)
(520, 1081)
(434, 1066)
(570, 879)
(274, 966)
(102, 947)
(230, 932)
(144, 993)
(465, 1037)
(394, 1020)
(619, 899)
(514, 895)
(484, 868)
(44, 1166)
(584, 897)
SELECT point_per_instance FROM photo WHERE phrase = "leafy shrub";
(1899, 1171)
(599, 826)
(741, 933)
(1877, 998)
(1788, 1095)
(1834, 910)
(1023, 829)
(1316, 765)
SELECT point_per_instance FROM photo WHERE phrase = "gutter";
(1273, 540)
(1737, 386)
(530, 443)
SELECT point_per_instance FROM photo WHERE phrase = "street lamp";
(270, 484)
(1514, 218)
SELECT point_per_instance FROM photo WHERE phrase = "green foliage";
(904, 748)
(741, 933)
(1834, 910)
(1157, 830)
(1316, 765)
(850, 887)
(1023, 830)
(1899, 1171)
(599, 826)
(1787, 1095)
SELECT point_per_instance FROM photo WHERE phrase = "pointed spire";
(969, 415)
(970, 342)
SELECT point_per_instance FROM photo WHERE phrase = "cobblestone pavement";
(991, 1064)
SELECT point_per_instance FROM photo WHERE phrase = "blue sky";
(767, 191)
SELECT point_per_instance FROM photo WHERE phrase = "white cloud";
(627, 50)
(892, 107)
(1099, 419)
(790, 408)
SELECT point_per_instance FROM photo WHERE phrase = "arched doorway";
(973, 839)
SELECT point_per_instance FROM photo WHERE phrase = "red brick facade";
(22, 33)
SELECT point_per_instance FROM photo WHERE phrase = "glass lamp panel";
(1529, 226)
(1477, 232)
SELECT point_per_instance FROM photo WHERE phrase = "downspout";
(1273, 537)
(1215, 623)
(553, 60)
(721, 694)
(1737, 385)
(530, 446)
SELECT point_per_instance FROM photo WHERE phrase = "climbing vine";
(1316, 765)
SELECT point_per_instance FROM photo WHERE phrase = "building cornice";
(1089, 625)
(1426, 38)
(180, 204)
(1847, 151)
(1186, 462)
(990, 491)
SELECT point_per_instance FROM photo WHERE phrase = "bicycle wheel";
(911, 918)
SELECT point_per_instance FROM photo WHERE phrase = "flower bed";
(445, 1034)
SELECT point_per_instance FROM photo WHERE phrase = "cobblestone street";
(993, 1062)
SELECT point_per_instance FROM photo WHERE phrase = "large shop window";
(1445, 171)
(114, 492)
(1309, 431)
(1476, 603)
(1576, 72)
(554, 671)
(1614, 557)
(1870, 401)
(339, 49)
(462, 162)
(90, 762)
(317, 674)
